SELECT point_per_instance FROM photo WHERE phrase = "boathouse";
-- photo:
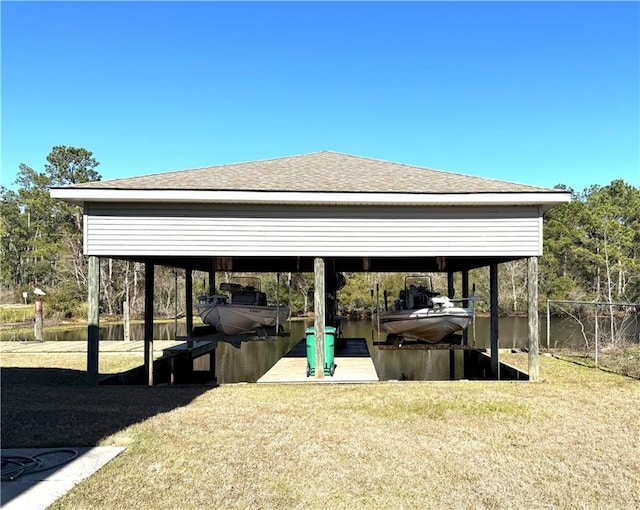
(307, 212)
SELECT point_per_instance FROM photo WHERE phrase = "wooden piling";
(188, 275)
(126, 317)
(319, 314)
(493, 291)
(534, 335)
(38, 323)
(466, 304)
(149, 274)
(451, 289)
(93, 319)
(212, 276)
(126, 307)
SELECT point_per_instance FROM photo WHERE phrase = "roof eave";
(83, 195)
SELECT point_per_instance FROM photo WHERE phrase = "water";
(252, 359)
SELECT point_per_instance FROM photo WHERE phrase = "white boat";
(422, 314)
(244, 310)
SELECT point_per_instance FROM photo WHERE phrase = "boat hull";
(209, 314)
(241, 319)
(425, 324)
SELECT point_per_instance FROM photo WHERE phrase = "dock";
(80, 346)
(351, 357)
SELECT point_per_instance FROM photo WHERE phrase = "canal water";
(250, 360)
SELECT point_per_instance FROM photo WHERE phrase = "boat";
(243, 310)
(420, 313)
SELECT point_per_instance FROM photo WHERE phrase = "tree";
(565, 249)
(14, 239)
(42, 237)
(592, 246)
(513, 291)
(71, 165)
(615, 234)
(302, 284)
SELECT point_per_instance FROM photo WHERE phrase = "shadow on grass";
(54, 407)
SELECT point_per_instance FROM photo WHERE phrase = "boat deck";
(353, 365)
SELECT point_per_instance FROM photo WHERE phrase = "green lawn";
(571, 441)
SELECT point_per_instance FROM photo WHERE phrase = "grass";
(623, 359)
(15, 329)
(572, 441)
(16, 313)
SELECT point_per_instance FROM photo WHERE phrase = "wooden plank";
(197, 349)
(416, 346)
(80, 346)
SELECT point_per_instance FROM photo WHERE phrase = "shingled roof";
(324, 171)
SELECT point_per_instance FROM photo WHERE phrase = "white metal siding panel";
(201, 230)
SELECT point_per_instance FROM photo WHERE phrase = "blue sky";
(540, 93)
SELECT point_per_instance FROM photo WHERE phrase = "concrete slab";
(37, 491)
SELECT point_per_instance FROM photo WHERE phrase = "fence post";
(596, 336)
(548, 323)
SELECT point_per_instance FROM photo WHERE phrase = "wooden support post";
(466, 304)
(451, 289)
(149, 274)
(319, 314)
(93, 319)
(213, 378)
(126, 307)
(493, 291)
(126, 318)
(212, 277)
(452, 365)
(534, 335)
(188, 290)
(330, 292)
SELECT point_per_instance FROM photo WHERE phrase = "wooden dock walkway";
(353, 361)
(353, 365)
(80, 346)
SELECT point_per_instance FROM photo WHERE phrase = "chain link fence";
(596, 333)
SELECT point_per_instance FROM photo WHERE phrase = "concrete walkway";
(37, 491)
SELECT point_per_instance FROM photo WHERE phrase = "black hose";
(14, 466)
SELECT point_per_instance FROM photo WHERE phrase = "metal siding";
(203, 230)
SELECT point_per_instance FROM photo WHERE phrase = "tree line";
(591, 252)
